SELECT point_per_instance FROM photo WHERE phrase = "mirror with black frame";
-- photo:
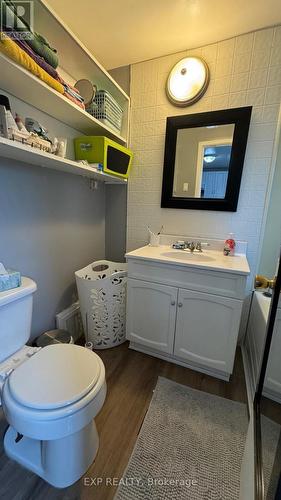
(204, 156)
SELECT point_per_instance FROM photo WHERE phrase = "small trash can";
(102, 289)
(54, 337)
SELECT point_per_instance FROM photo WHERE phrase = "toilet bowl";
(50, 397)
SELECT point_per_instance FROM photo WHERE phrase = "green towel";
(40, 45)
(37, 42)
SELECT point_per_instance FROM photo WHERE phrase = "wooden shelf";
(22, 84)
(31, 156)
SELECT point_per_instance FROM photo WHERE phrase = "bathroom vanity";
(185, 307)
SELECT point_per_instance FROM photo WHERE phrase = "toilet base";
(60, 462)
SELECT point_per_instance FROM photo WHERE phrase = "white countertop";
(210, 258)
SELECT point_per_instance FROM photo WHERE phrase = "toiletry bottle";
(229, 245)
(20, 124)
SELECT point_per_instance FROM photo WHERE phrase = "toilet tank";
(15, 317)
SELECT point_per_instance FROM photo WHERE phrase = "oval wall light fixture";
(187, 81)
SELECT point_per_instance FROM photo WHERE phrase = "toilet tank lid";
(27, 287)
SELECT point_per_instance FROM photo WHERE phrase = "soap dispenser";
(229, 245)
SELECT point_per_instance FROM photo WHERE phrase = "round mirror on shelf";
(188, 81)
(87, 90)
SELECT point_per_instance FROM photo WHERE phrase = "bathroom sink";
(183, 255)
(211, 258)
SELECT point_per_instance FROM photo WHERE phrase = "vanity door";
(207, 329)
(151, 314)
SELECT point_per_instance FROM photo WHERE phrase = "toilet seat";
(57, 376)
(12, 362)
(54, 421)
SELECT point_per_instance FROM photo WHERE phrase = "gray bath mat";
(190, 447)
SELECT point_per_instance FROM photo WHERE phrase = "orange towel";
(12, 50)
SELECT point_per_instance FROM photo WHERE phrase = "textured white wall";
(245, 70)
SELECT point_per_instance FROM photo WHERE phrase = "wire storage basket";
(102, 288)
(108, 110)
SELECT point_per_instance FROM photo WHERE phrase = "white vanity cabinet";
(184, 314)
(206, 329)
(151, 314)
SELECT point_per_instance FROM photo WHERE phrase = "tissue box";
(10, 280)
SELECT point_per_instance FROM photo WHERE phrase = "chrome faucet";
(189, 245)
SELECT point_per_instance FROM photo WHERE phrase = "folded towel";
(75, 101)
(12, 50)
(40, 45)
(72, 93)
(22, 54)
(69, 90)
(38, 59)
(36, 41)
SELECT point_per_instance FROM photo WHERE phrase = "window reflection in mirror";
(202, 161)
(204, 158)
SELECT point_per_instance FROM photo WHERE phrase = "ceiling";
(121, 32)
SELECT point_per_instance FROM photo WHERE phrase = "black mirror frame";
(240, 117)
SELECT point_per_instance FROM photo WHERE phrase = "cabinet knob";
(173, 302)
(180, 304)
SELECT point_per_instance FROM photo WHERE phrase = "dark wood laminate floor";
(131, 378)
(271, 409)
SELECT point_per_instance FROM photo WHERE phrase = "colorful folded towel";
(12, 50)
(72, 92)
(38, 59)
(20, 52)
(74, 100)
(40, 45)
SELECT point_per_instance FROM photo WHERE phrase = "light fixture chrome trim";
(200, 93)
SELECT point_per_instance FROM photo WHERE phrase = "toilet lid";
(56, 376)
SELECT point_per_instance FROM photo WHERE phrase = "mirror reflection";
(202, 161)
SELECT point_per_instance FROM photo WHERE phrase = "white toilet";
(50, 396)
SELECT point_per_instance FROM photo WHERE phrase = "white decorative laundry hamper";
(102, 289)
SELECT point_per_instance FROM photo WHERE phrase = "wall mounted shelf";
(75, 62)
(31, 156)
(74, 57)
(22, 84)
